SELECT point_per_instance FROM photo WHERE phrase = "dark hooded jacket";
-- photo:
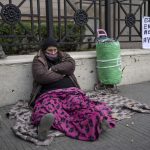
(42, 74)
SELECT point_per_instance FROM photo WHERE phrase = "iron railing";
(70, 22)
(127, 19)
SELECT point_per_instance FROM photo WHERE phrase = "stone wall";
(16, 77)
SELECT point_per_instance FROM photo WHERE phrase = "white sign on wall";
(146, 32)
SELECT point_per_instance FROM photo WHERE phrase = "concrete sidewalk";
(140, 92)
(129, 134)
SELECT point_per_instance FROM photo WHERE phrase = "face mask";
(51, 57)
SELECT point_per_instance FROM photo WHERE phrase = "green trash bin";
(108, 55)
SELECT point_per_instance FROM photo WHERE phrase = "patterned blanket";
(122, 108)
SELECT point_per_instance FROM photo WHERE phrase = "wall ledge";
(21, 59)
(136, 70)
(128, 52)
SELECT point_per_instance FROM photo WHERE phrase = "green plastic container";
(108, 61)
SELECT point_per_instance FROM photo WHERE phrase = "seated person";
(58, 101)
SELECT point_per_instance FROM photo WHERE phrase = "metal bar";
(114, 18)
(118, 19)
(108, 17)
(32, 18)
(80, 36)
(90, 28)
(145, 8)
(10, 1)
(100, 14)
(130, 33)
(80, 4)
(138, 8)
(130, 28)
(122, 8)
(71, 5)
(122, 30)
(114, 1)
(49, 17)
(89, 7)
(137, 31)
(149, 8)
(72, 17)
(21, 3)
(95, 20)
(124, 20)
(119, 33)
(140, 20)
(65, 17)
(59, 20)
(28, 15)
(39, 19)
(130, 6)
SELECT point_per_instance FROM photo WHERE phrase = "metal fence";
(24, 23)
(127, 19)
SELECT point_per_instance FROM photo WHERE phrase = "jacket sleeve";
(66, 66)
(42, 75)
